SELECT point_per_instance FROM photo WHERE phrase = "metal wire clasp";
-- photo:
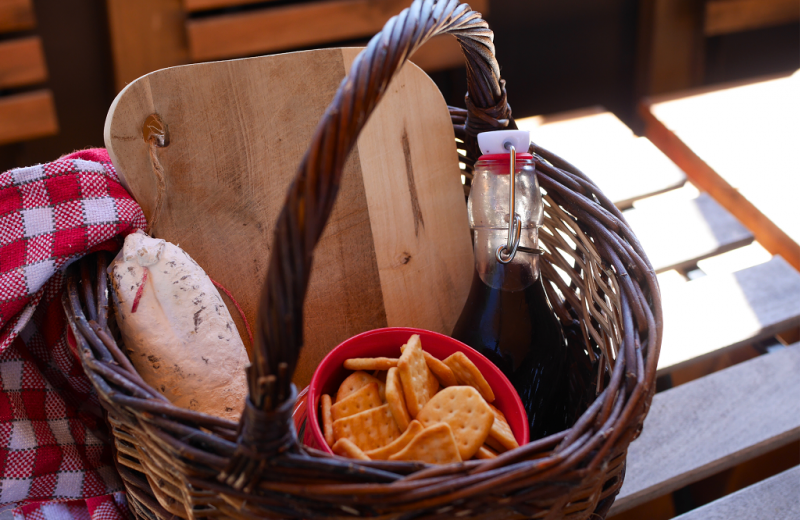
(506, 253)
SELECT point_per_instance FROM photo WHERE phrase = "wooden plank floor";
(713, 423)
(773, 499)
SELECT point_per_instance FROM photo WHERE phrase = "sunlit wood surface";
(625, 167)
(742, 145)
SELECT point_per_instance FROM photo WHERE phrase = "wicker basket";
(178, 463)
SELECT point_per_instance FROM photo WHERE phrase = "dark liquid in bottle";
(519, 333)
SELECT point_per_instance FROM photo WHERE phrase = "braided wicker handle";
(313, 192)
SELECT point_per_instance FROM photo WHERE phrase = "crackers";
(434, 445)
(378, 363)
(356, 381)
(501, 431)
(357, 402)
(416, 378)
(468, 415)
(468, 374)
(415, 408)
(346, 448)
(395, 399)
(368, 430)
(398, 444)
(327, 419)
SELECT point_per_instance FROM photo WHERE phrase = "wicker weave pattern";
(178, 462)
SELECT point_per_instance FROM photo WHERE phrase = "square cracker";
(501, 431)
(357, 381)
(434, 445)
(395, 399)
(468, 415)
(368, 430)
(398, 444)
(468, 374)
(357, 402)
(419, 383)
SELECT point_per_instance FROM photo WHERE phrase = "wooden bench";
(708, 316)
(714, 423)
(25, 114)
(771, 499)
(153, 34)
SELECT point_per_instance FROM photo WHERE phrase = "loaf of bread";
(176, 329)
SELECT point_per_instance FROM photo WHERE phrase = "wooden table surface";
(625, 167)
(741, 143)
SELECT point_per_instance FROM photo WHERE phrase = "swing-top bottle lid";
(493, 143)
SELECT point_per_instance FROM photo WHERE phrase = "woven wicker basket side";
(176, 462)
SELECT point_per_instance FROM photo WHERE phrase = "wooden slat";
(22, 62)
(146, 35)
(729, 16)
(707, 316)
(773, 499)
(625, 167)
(205, 5)
(291, 26)
(16, 15)
(27, 116)
(713, 423)
(676, 234)
(744, 158)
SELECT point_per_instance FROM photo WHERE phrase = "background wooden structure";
(27, 111)
(154, 34)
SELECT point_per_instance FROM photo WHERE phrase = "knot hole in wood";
(155, 130)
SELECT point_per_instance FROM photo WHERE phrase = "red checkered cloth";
(55, 452)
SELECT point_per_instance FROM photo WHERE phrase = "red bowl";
(386, 343)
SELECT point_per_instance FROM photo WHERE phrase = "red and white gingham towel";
(55, 453)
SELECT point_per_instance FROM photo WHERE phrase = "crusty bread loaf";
(178, 331)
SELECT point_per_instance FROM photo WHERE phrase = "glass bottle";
(507, 316)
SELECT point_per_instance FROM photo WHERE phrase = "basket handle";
(310, 199)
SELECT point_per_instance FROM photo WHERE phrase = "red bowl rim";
(312, 419)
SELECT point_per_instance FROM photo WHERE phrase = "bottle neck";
(489, 215)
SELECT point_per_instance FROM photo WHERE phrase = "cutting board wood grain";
(396, 250)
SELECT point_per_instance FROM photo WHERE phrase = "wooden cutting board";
(397, 249)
